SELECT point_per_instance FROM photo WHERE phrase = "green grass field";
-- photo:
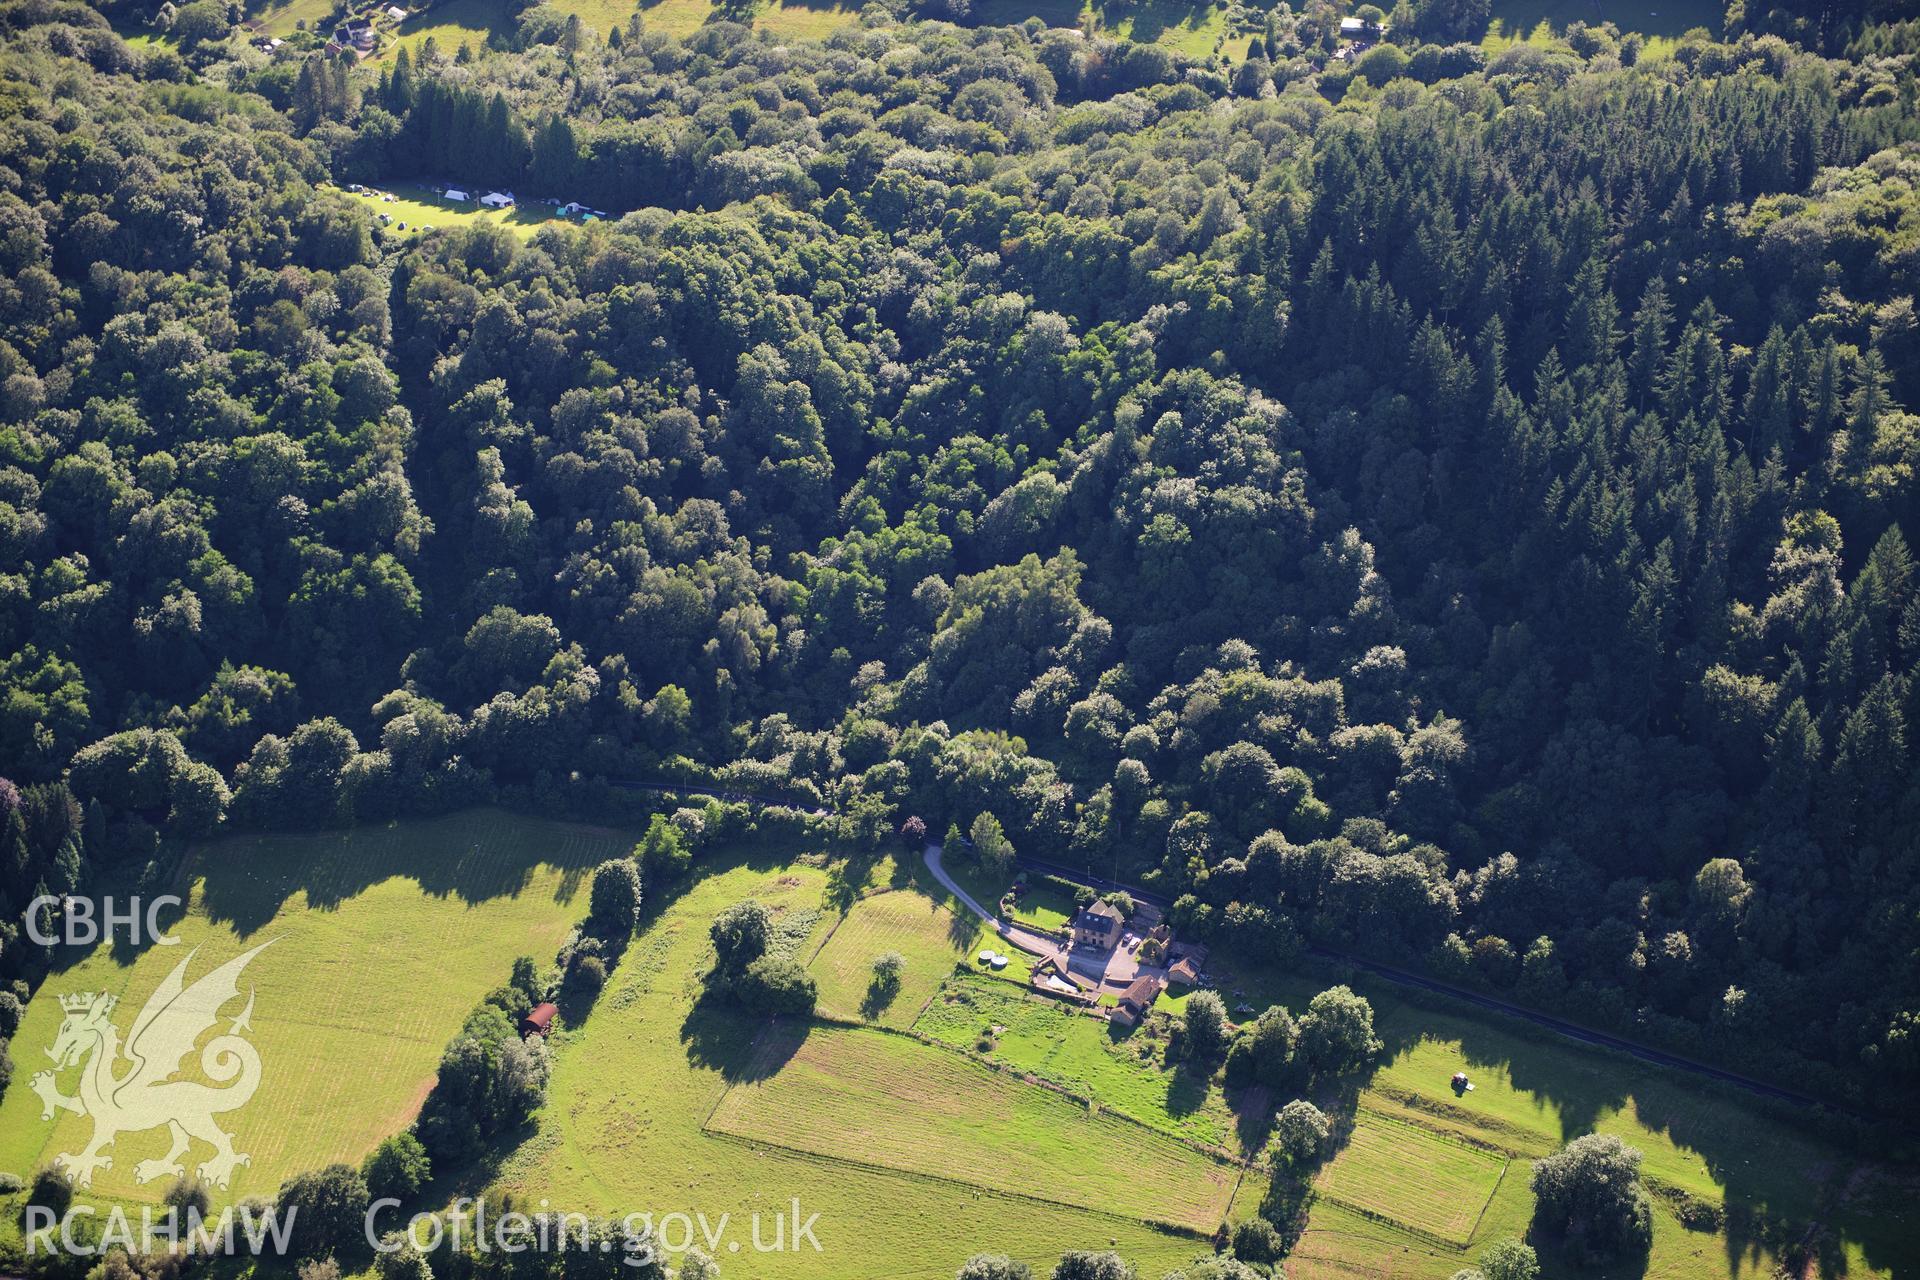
(1077, 1051)
(914, 1155)
(624, 1128)
(382, 941)
(874, 1099)
(1433, 1185)
(1533, 1091)
(1649, 17)
(419, 209)
(930, 938)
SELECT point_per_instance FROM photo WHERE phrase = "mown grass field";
(1195, 29)
(913, 1155)
(1078, 1051)
(623, 1127)
(383, 939)
(1649, 17)
(419, 208)
(927, 936)
(876, 1099)
(1774, 1179)
(1436, 1186)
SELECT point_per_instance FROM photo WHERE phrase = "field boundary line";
(1219, 1155)
(1173, 1228)
(1386, 1220)
(838, 921)
(1480, 1217)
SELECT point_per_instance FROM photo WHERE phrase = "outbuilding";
(539, 1020)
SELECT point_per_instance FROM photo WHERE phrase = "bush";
(1509, 1260)
(1205, 1026)
(615, 906)
(776, 986)
(663, 853)
(397, 1167)
(1087, 1265)
(740, 935)
(329, 1208)
(1255, 1240)
(586, 977)
(52, 1189)
(1300, 1131)
(993, 1266)
(1589, 1194)
(188, 1195)
(1336, 1032)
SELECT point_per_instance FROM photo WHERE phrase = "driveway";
(1037, 944)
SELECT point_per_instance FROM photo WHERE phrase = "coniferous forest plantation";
(1412, 509)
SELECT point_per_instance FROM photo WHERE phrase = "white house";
(395, 12)
(454, 193)
(497, 199)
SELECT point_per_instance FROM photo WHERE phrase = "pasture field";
(1195, 29)
(1077, 1051)
(875, 1099)
(284, 17)
(623, 1129)
(1434, 1185)
(1773, 1177)
(1649, 17)
(929, 937)
(419, 208)
(381, 940)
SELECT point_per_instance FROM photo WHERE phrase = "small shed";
(1182, 973)
(539, 1020)
(1460, 1082)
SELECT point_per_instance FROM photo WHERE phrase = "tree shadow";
(879, 997)
(245, 881)
(1252, 1107)
(1187, 1088)
(1774, 1165)
(1154, 17)
(742, 1048)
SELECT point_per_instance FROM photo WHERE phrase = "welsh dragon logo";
(133, 1089)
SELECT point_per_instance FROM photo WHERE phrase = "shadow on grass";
(1784, 1180)
(474, 857)
(744, 1049)
(879, 998)
(1153, 18)
(1252, 1109)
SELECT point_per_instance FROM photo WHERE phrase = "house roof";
(1184, 972)
(1141, 993)
(541, 1017)
(1105, 910)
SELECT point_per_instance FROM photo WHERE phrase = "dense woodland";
(1450, 508)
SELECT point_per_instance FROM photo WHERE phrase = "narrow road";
(1560, 1026)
